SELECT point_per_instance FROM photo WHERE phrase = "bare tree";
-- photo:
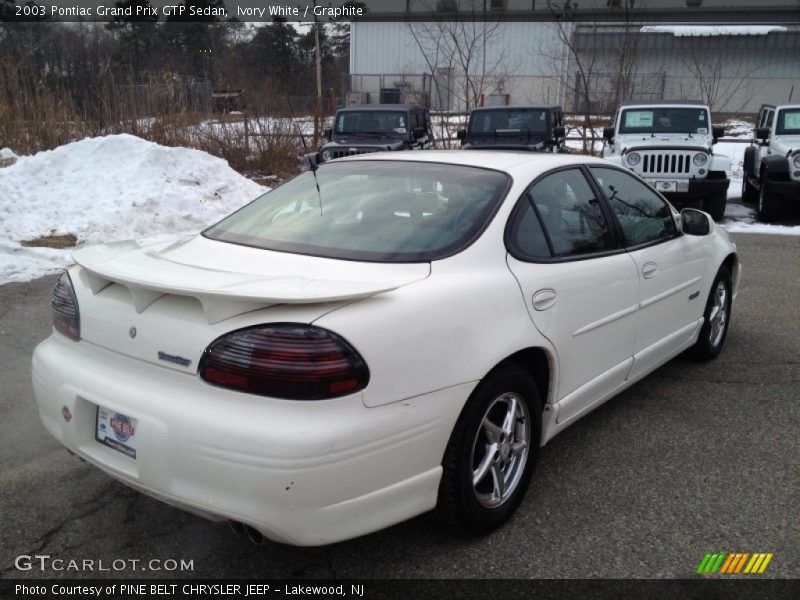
(604, 60)
(468, 46)
(723, 80)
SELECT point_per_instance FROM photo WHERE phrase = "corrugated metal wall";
(529, 62)
(522, 59)
(389, 47)
(737, 73)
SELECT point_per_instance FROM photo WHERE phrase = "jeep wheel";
(767, 202)
(749, 193)
(715, 206)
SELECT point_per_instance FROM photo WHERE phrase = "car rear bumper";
(304, 473)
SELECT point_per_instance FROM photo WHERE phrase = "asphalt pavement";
(696, 458)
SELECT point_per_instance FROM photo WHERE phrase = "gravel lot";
(696, 458)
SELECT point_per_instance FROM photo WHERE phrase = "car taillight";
(66, 316)
(293, 361)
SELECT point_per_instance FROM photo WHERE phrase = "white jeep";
(670, 145)
(772, 162)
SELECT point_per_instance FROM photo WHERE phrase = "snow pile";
(106, 189)
(712, 30)
(7, 157)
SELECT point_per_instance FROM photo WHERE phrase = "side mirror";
(717, 132)
(559, 132)
(461, 134)
(418, 132)
(762, 133)
(608, 134)
(328, 134)
(695, 222)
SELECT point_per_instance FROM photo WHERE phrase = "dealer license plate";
(116, 431)
(667, 186)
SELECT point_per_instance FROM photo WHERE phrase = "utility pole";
(318, 60)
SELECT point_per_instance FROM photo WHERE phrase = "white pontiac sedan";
(382, 337)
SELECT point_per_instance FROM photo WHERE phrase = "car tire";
(715, 206)
(767, 210)
(492, 452)
(716, 318)
(749, 193)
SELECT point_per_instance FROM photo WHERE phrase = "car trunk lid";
(165, 303)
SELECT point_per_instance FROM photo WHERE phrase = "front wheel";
(749, 193)
(491, 454)
(767, 202)
(715, 318)
(715, 206)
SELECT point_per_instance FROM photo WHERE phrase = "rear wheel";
(491, 454)
(715, 206)
(767, 202)
(749, 193)
(715, 318)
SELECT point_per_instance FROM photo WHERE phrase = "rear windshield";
(371, 121)
(509, 121)
(386, 211)
(665, 120)
(789, 122)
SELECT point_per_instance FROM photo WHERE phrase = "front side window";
(371, 122)
(665, 120)
(789, 122)
(386, 211)
(560, 218)
(643, 215)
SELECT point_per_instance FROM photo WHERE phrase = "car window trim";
(512, 249)
(632, 247)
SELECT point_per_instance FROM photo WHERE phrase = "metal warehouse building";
(736, 55)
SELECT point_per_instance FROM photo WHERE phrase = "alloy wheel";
(718, 317)
(500, 450)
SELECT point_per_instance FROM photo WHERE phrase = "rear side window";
(559, 217)
(643, 215)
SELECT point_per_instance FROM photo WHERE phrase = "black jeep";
(527, 128)
(375, 128)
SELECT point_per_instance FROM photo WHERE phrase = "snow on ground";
(7, 157)
(742, 219)
(107, 189)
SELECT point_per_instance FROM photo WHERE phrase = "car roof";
(663, 103)
(383, 107)
(501, 160)
(483, 108)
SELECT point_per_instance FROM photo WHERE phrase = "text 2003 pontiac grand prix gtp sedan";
(331, 360)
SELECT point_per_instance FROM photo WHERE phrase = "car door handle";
(649, 270)
(544, 299)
